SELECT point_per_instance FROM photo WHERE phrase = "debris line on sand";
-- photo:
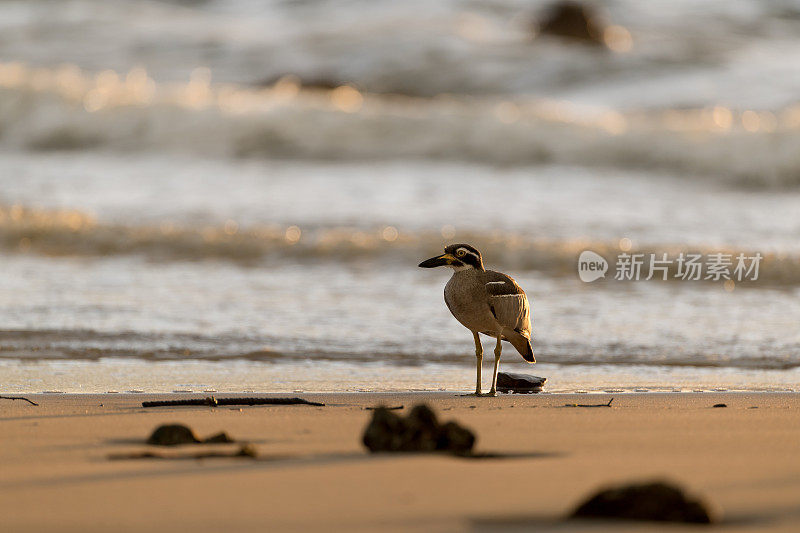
(245, 451)
(18, 398)
(214, 402)
(589, 404)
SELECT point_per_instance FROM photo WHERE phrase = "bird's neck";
(462, 269)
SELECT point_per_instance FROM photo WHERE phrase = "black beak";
(439, 260)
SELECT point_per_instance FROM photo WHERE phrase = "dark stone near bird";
(573, 21)
(657, 501)
(419, 432)
(519, 383)
(172, 435)
(720, 405)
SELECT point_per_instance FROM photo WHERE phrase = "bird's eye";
(461, 253)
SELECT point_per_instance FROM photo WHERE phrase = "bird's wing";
(508, 302)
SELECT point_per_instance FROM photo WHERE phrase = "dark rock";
(172, 435)
(521, 383)
(720, 405)
(218, 439)
(175, 434)
(657, 501)
(573, 21)
(420, 431)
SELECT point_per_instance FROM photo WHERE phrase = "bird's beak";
(439, 260)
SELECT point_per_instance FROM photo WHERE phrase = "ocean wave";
(74, 233)
(85, 344)
(65, 109)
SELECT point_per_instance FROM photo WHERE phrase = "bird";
(485, 301)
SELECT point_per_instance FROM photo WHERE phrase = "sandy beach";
(233, 197)
(312, 472)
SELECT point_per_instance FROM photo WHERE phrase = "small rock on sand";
(656, 501)
(221, 437)
(172, 435)
(176, 434)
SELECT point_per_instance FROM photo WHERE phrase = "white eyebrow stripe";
(496, 283)
(506, 296)
(467, 252)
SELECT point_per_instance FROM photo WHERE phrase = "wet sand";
(313, 474)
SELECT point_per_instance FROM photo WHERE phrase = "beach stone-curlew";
(172, 435)
(655, 501)
(420, 431)
(519, 383)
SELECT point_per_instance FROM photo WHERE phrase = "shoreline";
(423, 395)
(312, 472)
(307, 375)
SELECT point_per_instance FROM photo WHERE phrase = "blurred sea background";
(233, 195)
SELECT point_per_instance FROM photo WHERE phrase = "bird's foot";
(481, 394)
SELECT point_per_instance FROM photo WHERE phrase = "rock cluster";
(420, 431)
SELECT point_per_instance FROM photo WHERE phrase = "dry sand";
(313, 474)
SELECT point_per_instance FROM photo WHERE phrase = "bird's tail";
(522, 343)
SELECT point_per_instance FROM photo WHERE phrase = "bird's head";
(457, 257)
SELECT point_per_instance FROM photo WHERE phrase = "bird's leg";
(497, 350)
(479, 361)
(479, 357)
